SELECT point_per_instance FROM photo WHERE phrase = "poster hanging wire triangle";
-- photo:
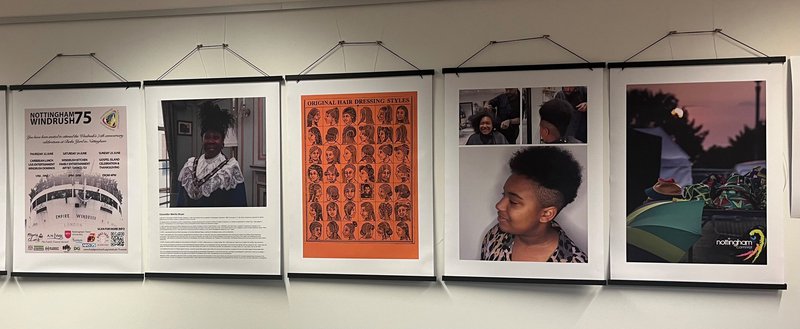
(91, 55)
(714, 32)
(224, 47)
(543, 36)
(341, 44)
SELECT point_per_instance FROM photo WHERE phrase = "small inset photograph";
(523, 203)
(544, 115)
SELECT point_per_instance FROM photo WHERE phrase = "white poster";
(358, 162)
(698, 164)
(794, 69)
(3, 182)
(524, 166)
(214, 183)
(74, 209)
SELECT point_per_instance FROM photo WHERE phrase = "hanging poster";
(794, 68)
(76, 211)
(361, 175)
(3, 182)
(214, 177)
(694, 162)
(524, 165)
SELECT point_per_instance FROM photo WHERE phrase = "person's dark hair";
(403, 119)
(558, 113)
(401, 135)
(351, 111)
(310, 117)
(366, 115)
(215, 119)
(352, 227)
(369, 170)
(475, 120)
(402, 191)
(385, 230)
(317, 210)
(314, 225)
(332, 134)
(333, 231)
(349, 135)
(349, 207)
(554, 171)
(368, 154)
(335, 206)
(316, 168)
(333, 192)
(317, 136)
(403, 226)
(387, 135)
(370, 210)
(333, 113)
(386, 149)
(385, 115)
(385, 211)
(353, 150)
(385, 191)
(366, 230)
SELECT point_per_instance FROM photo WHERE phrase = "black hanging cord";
(544, 36)
(224, 47)
(342, 44)
(713, 32)
(91, 55)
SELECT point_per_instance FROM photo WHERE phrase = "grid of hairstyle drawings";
(360, 168)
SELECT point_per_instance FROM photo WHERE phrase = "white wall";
(431, 35)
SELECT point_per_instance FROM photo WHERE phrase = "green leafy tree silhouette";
(747, 145)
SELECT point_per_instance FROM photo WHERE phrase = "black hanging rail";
(585, 65)
(760, 58)
(123, 82)
(303, 75)
(224, 47)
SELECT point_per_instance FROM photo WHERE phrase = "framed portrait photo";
(184, 128)
(214, 177)
(697, 155)
(524, 174)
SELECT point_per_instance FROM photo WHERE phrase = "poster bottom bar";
(161, 275)
(764, 286)
(80, 275)
(360, 277)
(3, 272)
(523, 280)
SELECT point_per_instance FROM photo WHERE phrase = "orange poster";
(360, 176)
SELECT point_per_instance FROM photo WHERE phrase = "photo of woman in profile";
(212, 179)
(485, 134)
(543, 181)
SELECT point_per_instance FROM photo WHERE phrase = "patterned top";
(497, 245)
